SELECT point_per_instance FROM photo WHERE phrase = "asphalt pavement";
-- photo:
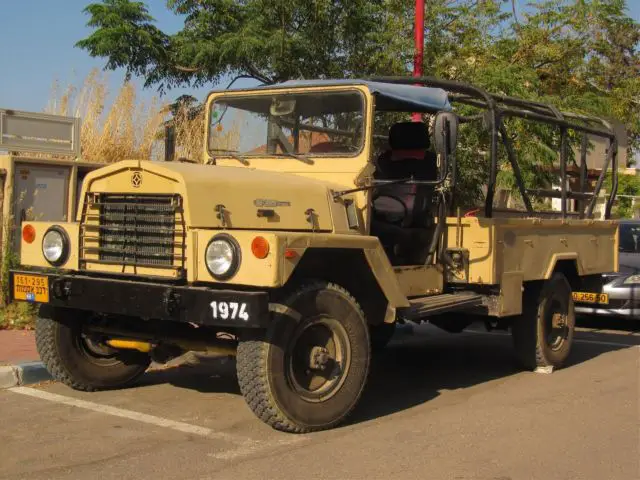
(438, 406)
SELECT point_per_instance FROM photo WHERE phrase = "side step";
(424, 306)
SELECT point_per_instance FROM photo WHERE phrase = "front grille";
(138, 230)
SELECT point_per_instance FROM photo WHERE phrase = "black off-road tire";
(59, 343)
(381, 335)
(262, 361)
(529, 330)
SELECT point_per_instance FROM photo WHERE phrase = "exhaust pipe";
(219, 347)
(144, 347)
(147, 342)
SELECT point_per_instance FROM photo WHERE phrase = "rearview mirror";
(280, 107)
(445, 132)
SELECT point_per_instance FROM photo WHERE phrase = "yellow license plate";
(32, 288)
(586, 297)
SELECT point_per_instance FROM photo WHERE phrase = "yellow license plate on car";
(32, 288)
(586, 297)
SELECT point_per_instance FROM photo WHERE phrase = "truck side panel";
(533, 246)
(536, 248)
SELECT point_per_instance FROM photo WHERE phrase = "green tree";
(580, 55)
(628, 186)
(270, 40)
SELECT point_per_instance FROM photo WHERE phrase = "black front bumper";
(151, 300)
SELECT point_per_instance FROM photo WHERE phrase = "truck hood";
(248, 198)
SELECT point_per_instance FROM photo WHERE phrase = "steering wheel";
(391, 217)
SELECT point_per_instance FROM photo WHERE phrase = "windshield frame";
(255, 92)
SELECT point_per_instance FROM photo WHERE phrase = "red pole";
(419, 46)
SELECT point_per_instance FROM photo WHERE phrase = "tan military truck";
(311, 231)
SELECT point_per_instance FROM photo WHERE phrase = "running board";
(425, 306)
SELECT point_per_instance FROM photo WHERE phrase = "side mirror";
(445, 132)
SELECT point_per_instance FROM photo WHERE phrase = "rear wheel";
(79, 360)
(543, 333)
(306, 372)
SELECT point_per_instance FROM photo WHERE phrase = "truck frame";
(298, 248)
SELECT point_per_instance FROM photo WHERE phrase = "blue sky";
(38, 38)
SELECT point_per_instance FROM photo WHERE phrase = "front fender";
(377, 260)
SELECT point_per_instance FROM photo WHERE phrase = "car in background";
(620, 293)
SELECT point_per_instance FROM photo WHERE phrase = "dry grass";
(228, 138)
(129, 128)
(189, 133)
(126, 128)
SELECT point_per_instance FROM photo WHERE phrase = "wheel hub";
(557, 326)
(96, 347)
(95, 350)
(558, 321)
(319, 358)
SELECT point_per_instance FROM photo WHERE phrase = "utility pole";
(419, 46)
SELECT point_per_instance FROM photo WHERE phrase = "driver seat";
(405, 234)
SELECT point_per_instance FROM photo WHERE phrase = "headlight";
(632, 280)
(222, 256)
(55, 246)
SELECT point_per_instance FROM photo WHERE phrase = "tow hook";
(61, 288)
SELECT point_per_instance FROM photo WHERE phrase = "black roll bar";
(499, 107)
(515, 166)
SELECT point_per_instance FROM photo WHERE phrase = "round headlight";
(222, 257)
(55, 246)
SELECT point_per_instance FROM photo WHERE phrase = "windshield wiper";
(244, 161)
(232, 154)
(297, 156)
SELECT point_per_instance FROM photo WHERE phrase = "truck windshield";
(311, 124)
(630, 238)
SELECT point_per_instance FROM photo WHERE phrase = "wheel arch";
(578, 279)
(361, 271)
(568, 263)
(570, 268)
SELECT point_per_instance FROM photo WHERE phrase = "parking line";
(575, 340)
(244, 446)
(610, 344)
(253, 448)
(129, 414)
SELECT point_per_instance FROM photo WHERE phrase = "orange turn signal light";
(260, 247)
(28, 233)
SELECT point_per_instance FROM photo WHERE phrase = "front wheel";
(543, 333)
(80, 361)
(306, 372)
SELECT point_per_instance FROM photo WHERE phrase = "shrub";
(18, 316)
